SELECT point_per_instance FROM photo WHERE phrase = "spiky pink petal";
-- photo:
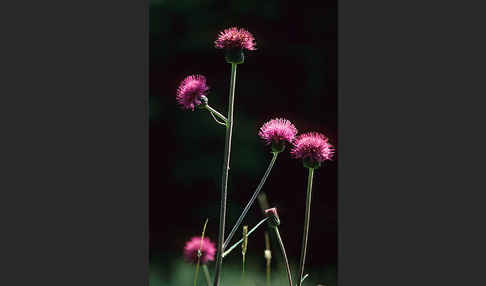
(278, 130)
(190, 91)
(314, 146)
(235, 38)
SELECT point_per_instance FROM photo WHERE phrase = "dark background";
(292, 74)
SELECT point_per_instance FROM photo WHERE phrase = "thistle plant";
(313, 148)
(200, 250)
(278, 134)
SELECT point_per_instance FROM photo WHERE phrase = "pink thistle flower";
(278, 132)
(234, 38)
(207, 250)
(191, 90)
(313, 147)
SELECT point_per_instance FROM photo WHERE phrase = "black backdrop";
(292, 75)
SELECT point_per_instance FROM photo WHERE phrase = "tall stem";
(306, 225)
(224, 181)
(284, 254)
(252, 200)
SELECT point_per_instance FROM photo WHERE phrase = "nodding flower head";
(234, 41)
(278, 132)
(191, 91)
(208, 250)
(272, 214)
(313, 148)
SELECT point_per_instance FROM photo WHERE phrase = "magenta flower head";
(192, 247)
(313, 148)
(272, 214)
(192, 92)
(278, 132)
(234, 41)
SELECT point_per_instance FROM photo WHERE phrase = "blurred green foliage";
(182, 273)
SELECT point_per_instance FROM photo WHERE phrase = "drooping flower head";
(313, 148)
(278, 132)
(191, 91)
(234, 41)
(207, 250)
(272, 214)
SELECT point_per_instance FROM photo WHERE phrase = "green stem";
(195, 273)
(224, 180)
(206, 274)
(252, 200)
(199, 253)
(219, 115)
(284, 254)
(306, 225)
(241, 240)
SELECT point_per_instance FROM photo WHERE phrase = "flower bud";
(272, 214)
(204, 102)
(268, 254)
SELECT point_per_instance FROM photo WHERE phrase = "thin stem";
(199, 253)
(206, 274)
(306, 225)
(224, 180)
(241, 240)
(219, 115)
(252, 200)
(284, 254)
(217, 121)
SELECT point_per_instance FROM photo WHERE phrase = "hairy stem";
(224, 180)
(284, 254)
(306, 225)
(252, 200)
(241, 240)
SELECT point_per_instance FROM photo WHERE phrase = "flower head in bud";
(208, 250)
(272, 214)
(234, 38)
(191, 90)
(278, 133)
(313, 148)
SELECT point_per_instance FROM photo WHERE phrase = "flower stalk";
(199, 253)
(215, 113)
(206, 274)
(224, 180)
(306, 226)
(284, 254)
(241, 240)
(252, 200)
